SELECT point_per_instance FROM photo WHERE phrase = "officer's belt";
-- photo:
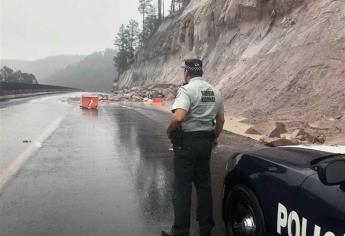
(199, 134)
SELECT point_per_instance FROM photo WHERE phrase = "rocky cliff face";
(272, 58)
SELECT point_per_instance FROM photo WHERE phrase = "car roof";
(292, 156)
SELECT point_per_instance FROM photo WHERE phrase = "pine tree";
(177, 5)
(144, 9)
(151, 23)
(133, 34)
(126, 41)
(150, 20)
(120, 59)
(173, 5)
(185, 3)
(159, 10)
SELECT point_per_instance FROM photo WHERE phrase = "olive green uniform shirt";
(202, 102)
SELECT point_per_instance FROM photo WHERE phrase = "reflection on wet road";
(105, 172)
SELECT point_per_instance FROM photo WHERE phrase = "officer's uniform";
(192, 154)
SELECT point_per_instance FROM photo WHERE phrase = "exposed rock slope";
(270, 58)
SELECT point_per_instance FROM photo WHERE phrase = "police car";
(297, 191)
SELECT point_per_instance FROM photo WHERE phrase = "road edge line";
(19, 162)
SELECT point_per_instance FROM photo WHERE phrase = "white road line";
(19, 162)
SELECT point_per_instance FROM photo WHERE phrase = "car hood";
(298, 156)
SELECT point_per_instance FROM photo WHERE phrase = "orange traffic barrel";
(157, 101)
(89, 102)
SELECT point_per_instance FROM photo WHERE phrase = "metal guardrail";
(17, 88)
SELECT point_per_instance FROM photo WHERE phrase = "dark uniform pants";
(192, 165)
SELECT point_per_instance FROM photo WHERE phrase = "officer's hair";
(195, 73)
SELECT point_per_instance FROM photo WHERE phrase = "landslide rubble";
(141, 93)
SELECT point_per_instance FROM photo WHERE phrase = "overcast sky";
(33, 29)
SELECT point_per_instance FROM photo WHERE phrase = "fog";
(39, 28)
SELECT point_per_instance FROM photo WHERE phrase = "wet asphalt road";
(105, 172)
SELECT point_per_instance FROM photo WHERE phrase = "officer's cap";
(193, 65)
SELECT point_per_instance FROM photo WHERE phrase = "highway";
(68, 171)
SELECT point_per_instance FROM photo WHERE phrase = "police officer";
(196, 123)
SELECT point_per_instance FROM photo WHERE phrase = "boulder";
(277, 142)
(322, 125)
(286, 136)
(301, 135)
(165, 92)
(152, 86)
(136, 99)
(170, 97)
(168, 94)
(268, 129)
(321, 139)
(154, 93)
(116, 98)
(126, 95)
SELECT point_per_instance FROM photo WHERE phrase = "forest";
(10, 76)
(133, 36)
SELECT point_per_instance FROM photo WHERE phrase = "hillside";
(95, 72)
(272, 59)
(43, 68)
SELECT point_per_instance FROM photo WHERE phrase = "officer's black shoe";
(164, 233)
